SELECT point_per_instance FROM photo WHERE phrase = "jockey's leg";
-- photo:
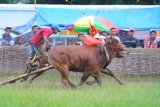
(38, 52)
(31, 56)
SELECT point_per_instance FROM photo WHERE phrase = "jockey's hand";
(48, 47)
(44, 47)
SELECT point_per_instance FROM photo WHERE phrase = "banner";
(67, 33)
(142, 34)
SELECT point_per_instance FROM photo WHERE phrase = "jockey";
(35, 43)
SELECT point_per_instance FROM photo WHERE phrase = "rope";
(106, 52)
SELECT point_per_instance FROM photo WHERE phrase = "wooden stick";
(25, 75)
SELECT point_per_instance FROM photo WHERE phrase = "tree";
(84, 2)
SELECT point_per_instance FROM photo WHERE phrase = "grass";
(47, 91)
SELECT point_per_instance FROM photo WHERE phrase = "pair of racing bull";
(90, 60)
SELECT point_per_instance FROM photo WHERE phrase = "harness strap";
(106, 53)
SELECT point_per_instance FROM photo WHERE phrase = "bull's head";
(117, 48)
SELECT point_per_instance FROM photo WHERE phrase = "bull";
(91, 60)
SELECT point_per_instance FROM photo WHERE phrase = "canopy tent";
(19, 17)
(22, 17)
(138, 17)
(15, 15)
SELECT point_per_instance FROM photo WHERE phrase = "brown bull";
(87, 59)
(91, 60)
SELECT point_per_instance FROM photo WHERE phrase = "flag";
(93, 31)
(89, 40)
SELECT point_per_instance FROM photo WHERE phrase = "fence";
(13, 59)
(139, 61)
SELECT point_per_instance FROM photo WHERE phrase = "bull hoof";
(74, 87)
(121, 83)
(90, 82)
(12, 82)
(23, 80)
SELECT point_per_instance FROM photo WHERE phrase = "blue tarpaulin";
(138, 17)
(123, 16)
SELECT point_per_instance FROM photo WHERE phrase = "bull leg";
(28, 70)
(91, 82)
(65, 74)
(97, 79)
(66, 81)
(35, 76)
(84, 78)
(109, 72)
(40, 65)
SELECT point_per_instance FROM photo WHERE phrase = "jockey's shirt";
(38, 37)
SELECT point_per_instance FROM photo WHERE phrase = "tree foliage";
(85, 2)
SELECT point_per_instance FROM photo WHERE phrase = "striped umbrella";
(101, 24)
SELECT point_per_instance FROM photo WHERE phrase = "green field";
(47, 91)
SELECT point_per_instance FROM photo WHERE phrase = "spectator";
(7, 38)
(19, 42)
(29, 35)
(113, 34)
(131, 41)
(35, 29)
(151, 41)
(123, 35)
(104, 33)
(79, 41)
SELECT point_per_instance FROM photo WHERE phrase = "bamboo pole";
(25, 75)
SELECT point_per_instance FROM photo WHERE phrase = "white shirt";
(115, 37)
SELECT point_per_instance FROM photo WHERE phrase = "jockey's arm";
(45, 44)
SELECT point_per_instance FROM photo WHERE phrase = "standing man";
(113, 34)
(27, 36)
(151, 41)
(35, 43)
(131, 41)
(35, 28)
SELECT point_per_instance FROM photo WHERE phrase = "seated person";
(19, 42)
(104, 33)
(79, 41)
(131, 41)
(6, 37)
(151, 41)
(113, 34)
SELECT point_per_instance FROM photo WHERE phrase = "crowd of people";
(152, 41)
(39, 42)
(129, 41)
(8, 40)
